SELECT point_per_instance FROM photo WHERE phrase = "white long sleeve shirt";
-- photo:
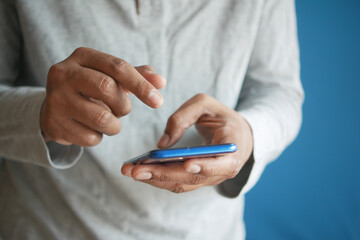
(242, 52)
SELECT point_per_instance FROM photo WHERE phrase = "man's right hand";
(88, 92)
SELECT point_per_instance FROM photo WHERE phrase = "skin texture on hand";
(88, 92)
(217, 124)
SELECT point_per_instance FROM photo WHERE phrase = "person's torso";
(199, 47)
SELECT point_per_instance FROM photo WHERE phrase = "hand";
(217, 124)
(88, 92)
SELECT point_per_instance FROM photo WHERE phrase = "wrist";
(45, 136)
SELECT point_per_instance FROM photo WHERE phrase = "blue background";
(313, 190)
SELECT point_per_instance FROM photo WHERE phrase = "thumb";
(186, 116)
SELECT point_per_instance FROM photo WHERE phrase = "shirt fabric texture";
(244, 53)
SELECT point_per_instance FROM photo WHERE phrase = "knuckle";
(119, 65)
(143, 87)
(115, 129)
(92, 139)
(201, 97)
(175, 119)
(197, 179)
(164, 177)
(54, 68)
(80, 52)
(107, 85)
(125, 108)
(178, 188)
(103, 119)
(56, 71)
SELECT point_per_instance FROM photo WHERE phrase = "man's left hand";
(217, 124)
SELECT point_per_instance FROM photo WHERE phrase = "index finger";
(163, 173)
(227, 166)
(186, 116)
(122, 72)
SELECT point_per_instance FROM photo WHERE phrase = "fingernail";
(164, 140)
(143, 176)
(193, 169)
(155, 98)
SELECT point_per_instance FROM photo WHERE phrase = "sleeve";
(20, 133)
(271, 97)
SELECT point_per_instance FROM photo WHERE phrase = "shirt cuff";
(53, 154)
(23, 140)
(255, 165)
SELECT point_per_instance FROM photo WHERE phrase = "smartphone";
(181, 154)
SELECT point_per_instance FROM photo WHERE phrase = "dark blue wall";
(313, 190)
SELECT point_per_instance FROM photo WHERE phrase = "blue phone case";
(181, 154)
